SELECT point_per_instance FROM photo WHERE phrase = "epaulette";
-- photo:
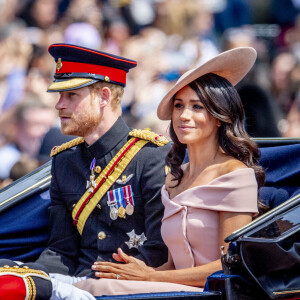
(24, 281)
(22, 272)
(57, 149)
(149, 135)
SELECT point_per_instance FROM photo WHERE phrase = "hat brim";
(233, 65)
(69, 84)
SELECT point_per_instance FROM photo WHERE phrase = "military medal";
(113, 213)
(91, 184)
(120, 202)
(113, 205)
(128, 195)
(129, 209)
(121, 212)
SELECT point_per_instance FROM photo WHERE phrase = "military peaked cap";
(77, 67)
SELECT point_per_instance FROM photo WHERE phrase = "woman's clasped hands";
(130, 269)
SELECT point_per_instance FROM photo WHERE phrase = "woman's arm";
(196, 276)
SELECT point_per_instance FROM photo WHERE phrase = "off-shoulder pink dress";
(190, 229)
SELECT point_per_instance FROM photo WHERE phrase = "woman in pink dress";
(209, 197)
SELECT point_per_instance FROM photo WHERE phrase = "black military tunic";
(69, 252)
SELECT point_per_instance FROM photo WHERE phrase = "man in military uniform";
(105, 188)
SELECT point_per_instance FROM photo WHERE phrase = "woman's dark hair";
(222, 101)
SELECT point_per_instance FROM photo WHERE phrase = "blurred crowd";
(166, 38)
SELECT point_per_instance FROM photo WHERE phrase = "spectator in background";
(283, 13)
(15, 53)
(235, 13)
(201, 44)
(38, 75)
(163, 58)
(262, 115)
(40, 13)
(281, 66)
(149, 49)
(293, 119)
(83, 34)
(260, 120)
(88, 11)
(173, 16)
(23, 166)
(293, 115)
(30, 122)
(8, 10)
(52, 138)
(116, 35)
(238, 37)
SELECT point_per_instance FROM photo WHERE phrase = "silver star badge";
(135, 240)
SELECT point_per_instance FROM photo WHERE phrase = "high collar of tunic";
(110, 139)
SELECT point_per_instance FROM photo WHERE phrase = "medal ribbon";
(131, 196)
(93, 163)
(127, 192)
(111, 200)
(118, 197)
(105, 180)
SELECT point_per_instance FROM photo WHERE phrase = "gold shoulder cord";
(148, 135)
(68, 145)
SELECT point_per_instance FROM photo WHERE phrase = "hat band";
(116, 75)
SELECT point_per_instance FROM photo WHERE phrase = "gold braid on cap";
(149, 135)
(57, 149)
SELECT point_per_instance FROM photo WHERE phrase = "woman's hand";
(131, 269)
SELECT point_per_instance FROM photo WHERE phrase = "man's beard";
(81, 125)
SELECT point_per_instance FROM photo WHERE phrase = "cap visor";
(69, 84)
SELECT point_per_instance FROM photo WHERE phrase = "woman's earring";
(219, 124)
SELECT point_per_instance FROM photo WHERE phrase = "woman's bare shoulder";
(230, 165)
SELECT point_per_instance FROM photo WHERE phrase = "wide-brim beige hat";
(233, 65)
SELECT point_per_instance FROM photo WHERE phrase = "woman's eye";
(177, 105)
(198, 106)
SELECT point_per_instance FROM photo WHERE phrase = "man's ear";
(104, 96)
